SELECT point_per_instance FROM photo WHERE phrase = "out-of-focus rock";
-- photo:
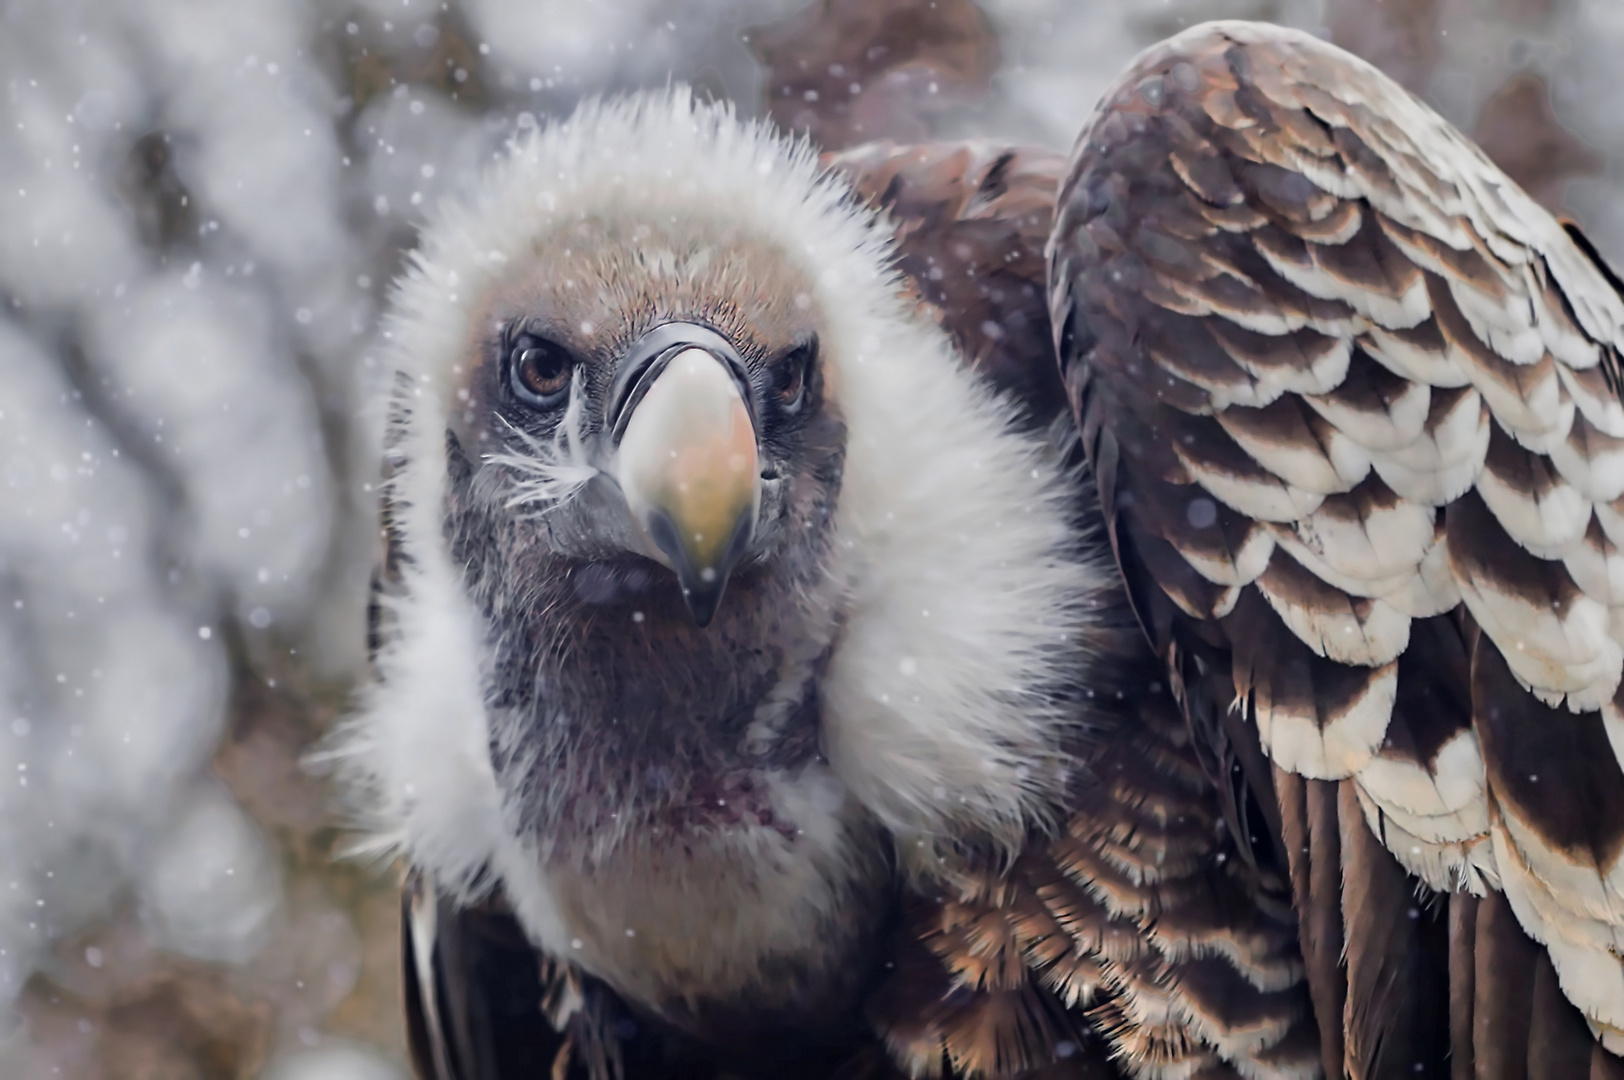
(333, 1063)
(180, 1020)
(1399, 36)
(1518, 129)
(850, 71)
(210, 888)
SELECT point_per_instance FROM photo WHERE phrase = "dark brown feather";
(1605, 1066)
(1559, 1043)
(1462, 983)
(1553, 769)
(1396, 1019)
(1504, 989)
(1313, 839)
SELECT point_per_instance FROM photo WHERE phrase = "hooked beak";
(687, 462)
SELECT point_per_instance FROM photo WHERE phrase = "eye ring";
(795, 374)
(539, 371)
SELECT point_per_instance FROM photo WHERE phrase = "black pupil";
(542, 368)
(792, 381)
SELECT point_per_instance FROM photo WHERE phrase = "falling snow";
(200, 208)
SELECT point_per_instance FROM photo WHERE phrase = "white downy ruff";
(968, 599)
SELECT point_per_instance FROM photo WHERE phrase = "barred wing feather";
(1353, 401)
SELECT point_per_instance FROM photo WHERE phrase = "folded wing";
(1352, 398)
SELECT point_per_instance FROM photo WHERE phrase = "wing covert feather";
(1354, 402)
(1137, 923)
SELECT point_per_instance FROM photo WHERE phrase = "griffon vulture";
(953, 611)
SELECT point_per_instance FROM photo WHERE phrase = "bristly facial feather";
(893, 670)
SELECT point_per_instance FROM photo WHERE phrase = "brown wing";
(1136, 941)
(971, 220)
(1352, 400)
(1140, 934)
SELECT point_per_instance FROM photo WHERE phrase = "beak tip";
(701, 586)
(702, 601)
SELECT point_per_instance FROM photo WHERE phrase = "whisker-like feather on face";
(552, 471)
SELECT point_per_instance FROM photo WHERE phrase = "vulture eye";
(794, 373)
(539, 370)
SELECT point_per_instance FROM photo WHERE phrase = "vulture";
(952, 610)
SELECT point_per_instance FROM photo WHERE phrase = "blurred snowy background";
(201, 205)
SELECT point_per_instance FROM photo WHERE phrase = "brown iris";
(794, 373)
(540, 370)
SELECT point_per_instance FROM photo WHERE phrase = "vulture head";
(643, 464)
(648, 390)
(725, 590)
